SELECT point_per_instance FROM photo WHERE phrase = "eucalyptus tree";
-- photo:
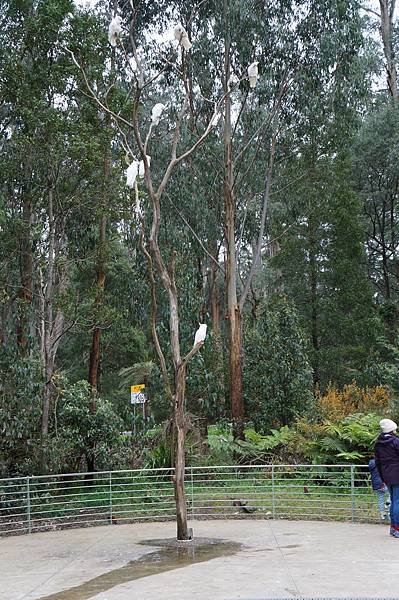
(304, 54)
(44, 177)
(34, 186)
(137, 138)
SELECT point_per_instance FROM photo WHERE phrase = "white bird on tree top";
(253, 74)
(114, 29)
(200, 334)
(131, 173)
(157, 112)
(182, 37)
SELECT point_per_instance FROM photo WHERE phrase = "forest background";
(280, 231)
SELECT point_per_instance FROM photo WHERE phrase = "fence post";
(28, 506)
(110, 499)
(273, 496)
(192, 492)
(353, 506)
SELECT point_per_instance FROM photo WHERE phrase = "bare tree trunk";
(314, 301)
(180, 430)
(153, 290)
(216, 311)
(214, 295)
(95, 344)
(387, 8)
(233, 308)
(167, 276)
(26, 273)
(48, 317)
(95, 352)
(234, 323)
(51, 326)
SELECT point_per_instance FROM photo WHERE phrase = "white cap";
(388, 426)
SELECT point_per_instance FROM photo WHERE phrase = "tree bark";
(94, 362)
(48, 317)
(387, 8)
(51, 326)
(95, 352)
(233, 308)
(180, 430)
(313, 297)
(215, 309)
(26, 273)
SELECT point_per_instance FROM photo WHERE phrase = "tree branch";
(266, 196)
(194, 234)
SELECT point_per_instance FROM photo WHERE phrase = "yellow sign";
(137, 388)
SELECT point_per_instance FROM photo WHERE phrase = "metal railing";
(323, 492)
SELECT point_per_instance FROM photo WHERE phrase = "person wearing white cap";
(387, 463)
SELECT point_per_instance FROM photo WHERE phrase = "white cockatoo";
(131, 173)
(114, 29)
(253, 74)
(157, 112)
(141, 166)
(182, 37)
(200, 334)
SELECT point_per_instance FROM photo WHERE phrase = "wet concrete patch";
(170, 555)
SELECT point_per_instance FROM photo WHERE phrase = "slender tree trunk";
(51, 329)
(214, 295)
(95, 352)
(26, 273)
(315, 335)
(233, 308)
(387, 8)
(94, 362)
(216, 311)
(48, 318)
(180, 430)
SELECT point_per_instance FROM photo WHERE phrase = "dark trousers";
(394, 493)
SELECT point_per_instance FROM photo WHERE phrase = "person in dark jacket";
(387, 463)
(379, 486)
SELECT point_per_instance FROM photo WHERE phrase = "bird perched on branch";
(182, 36)
(200, 334)
(141, 166)
(243, 506)
(253, 74)
(114, 29)
(157, 112)
(131, 173)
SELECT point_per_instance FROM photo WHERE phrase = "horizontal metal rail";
(322, 492)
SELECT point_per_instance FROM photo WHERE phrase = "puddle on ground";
(171, 555)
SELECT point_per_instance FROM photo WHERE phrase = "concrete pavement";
(273, 559)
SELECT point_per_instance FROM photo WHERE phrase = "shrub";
(82, 434)
(335, 404)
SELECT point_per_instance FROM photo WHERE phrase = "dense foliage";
(314, 149)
